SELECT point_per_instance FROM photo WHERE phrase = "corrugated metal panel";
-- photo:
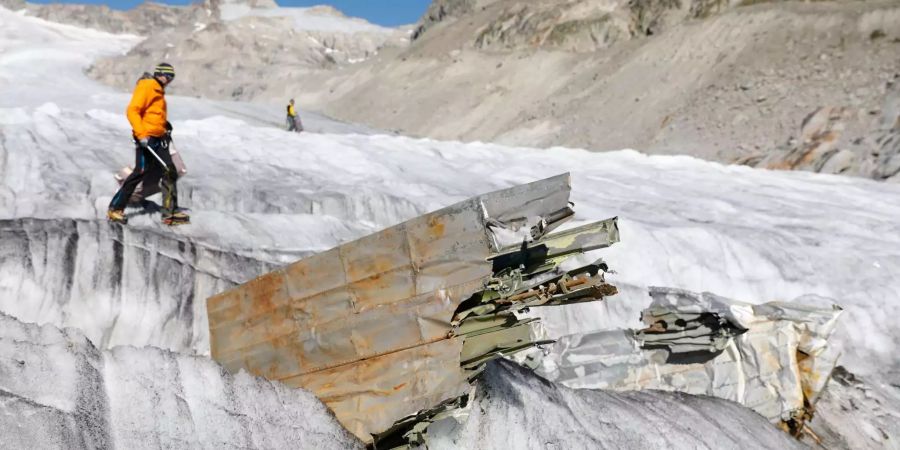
(369, 395)
(366, 325)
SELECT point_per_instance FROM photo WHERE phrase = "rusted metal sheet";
(370, 395)
(384, 301)
(369, 326)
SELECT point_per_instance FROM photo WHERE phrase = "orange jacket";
(147, 110)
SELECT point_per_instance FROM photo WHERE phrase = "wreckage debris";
(774, 358)
(390, 330)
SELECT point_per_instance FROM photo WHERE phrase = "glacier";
(514, 409)
(58, 390)
(260, 198)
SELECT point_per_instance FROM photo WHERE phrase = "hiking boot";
(176, 218)
(117, 215)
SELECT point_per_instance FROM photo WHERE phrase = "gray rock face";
(579, 26)
(142, 20)
(844, 140)
(14, 5)
(886, 148)
(565, 27)
(440, 10)
(238, 57)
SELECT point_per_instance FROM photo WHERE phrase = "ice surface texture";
(57, 390)
(121, 286)
(60, 391)
(516, 409)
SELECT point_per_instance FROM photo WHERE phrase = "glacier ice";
(517, 409)
(58, 390)
(120, 286)
(853, 413)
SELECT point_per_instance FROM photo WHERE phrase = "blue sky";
(383, 12)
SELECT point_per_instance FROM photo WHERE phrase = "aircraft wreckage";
(774, 358)
(391, 331)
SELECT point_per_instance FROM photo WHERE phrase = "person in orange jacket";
(150, 127)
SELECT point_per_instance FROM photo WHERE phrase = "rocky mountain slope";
(843, 139)
(730, 81)
(141, 20)
(227, 49)
(241, 49)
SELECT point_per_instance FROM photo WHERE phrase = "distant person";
(147, 114)
(293, 121)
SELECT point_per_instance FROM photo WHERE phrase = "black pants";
(148, 169)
